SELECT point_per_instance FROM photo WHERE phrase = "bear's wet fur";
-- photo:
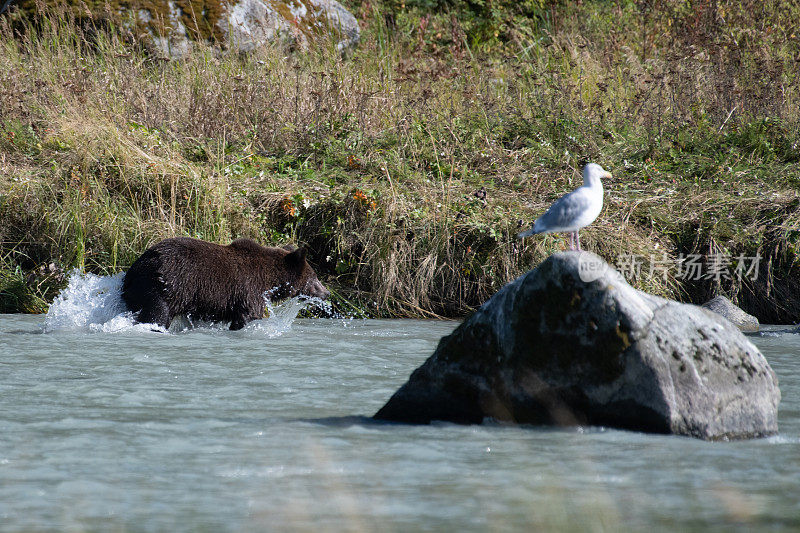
(207, 281)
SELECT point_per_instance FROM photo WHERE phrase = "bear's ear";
(296, 258)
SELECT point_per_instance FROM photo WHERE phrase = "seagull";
(574, 210)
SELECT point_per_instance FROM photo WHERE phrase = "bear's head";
(303, 279)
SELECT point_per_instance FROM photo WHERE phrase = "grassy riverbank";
(409, 166)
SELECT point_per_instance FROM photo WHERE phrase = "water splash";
(282, 315)
(88, 301)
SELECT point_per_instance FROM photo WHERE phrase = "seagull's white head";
(592, 173)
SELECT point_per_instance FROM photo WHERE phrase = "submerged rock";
(722, 306)
(571, 343)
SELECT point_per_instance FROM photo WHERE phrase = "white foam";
(282, 315)
(88, 300)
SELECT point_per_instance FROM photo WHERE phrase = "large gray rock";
(572, 343)
(722, 306)
(245, 25)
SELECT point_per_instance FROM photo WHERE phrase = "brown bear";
(207, 281)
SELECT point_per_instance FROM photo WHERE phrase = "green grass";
(378, 161)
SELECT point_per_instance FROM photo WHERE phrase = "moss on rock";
(212, 20)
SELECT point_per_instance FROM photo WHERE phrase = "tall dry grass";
(409, 166)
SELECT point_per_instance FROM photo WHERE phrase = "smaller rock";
(740, 319)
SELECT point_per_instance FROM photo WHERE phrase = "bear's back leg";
(156, 311)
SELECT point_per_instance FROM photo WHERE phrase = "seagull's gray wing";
(564, 212)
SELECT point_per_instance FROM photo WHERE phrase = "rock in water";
(740, 319)
(571, 343)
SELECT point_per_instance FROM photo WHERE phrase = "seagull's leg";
(578, 238)
(571, 246)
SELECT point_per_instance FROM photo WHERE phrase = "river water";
(109, 426)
